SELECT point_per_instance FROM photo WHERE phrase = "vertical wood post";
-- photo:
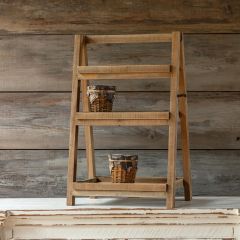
(88, 130)
(73, 138)
(172, 137)
(183, 113)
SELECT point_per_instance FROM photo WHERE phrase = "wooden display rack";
(143, 187)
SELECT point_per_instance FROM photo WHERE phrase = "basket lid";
(122, 157)
(102, 87)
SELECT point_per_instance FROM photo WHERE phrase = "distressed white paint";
(126, 232)
(104, 219)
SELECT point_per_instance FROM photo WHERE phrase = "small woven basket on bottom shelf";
(101, 97)
(123, 168)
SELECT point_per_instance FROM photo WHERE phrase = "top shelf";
(124, 72)
(130, 38)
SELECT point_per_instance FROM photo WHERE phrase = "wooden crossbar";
(118, 193)
(131, 38)
(101, 186)
(125, 69)
(121, 122)
(122, 119)
(123, 76)
(123, 115)
(179, 180)
(124, 72)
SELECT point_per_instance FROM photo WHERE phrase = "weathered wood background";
(36, 47)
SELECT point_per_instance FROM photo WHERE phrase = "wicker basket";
(123, 168)
(101, 97)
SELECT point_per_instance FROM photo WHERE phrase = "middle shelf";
(122, 118)
(143, 186)
(124, 72)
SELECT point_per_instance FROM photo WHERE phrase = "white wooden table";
(204, 218)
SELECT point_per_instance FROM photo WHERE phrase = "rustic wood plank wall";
(36, 47)
(101, 16)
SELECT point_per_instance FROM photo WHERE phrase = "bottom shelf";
(143, 187)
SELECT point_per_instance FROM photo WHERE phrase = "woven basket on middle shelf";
(123, 168)
(101, 97)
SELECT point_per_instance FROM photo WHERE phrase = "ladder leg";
(183, 113)
(172, 140)
(90, 151)
(73, 138)
(73, 147)
(72, 164)
(88, 130)
(171, 173)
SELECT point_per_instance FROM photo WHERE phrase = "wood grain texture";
(44, 62)
(122, 16)
(73, 130)
(88, 130)
(41, 121)
(42, 173)
(173, 121)
(183, 116)
(129, 38)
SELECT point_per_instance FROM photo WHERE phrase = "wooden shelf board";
(122, 122)
(142, 186)
(122, 115)
(122, 118)
(179, 180)
(108, 186)
(129, 38)
(111, 193)
(124, 72)
(123, 76)
(118, 69)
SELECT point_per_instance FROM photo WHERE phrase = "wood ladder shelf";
(143, 187)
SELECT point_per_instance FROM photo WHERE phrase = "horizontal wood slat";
(130, 38)
(42, 173)
(123, 76)
(123, 118)
(125, 69)
(122, 122)
(123, 115)
(119, 16)
(108, 186)
(44, 63)
(153, 184)
(179, 180)
(41, 121)
(109, 193)
(124, 72)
